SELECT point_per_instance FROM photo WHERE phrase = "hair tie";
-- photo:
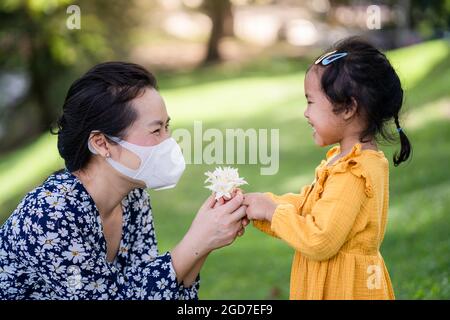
(399, 129)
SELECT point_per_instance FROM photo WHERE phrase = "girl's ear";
(351, 109)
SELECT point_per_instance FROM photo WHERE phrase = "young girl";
(336, 225)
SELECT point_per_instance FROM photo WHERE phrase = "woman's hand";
(216, 226)
(245, 221)
(259, 206)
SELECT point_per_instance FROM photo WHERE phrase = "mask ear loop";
(91, 148)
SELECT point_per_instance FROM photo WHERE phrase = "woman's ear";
(99, 144)
(351, 109)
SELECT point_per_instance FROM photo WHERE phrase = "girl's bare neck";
(346, 147)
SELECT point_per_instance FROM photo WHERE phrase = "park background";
(239, 64)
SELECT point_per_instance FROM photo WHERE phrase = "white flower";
(27, 224)
(6, 272)
(57, 267)
(75, 253)
(155, 274)
(162, 283)
(55, 202)
(39, 252)
(167, 294)
(55, 215)
(155, 296)
(85, 206)
(224, 181)
(49, 240)
(44, 194)
(15, 225)
(97, 286)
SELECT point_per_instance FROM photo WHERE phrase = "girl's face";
(327, 126)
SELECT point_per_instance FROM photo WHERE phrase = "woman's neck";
(106, 188)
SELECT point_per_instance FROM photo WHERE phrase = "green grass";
(269, 94)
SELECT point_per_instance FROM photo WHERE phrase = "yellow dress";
(336, 226)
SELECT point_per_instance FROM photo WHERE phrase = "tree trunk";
(41, 67)
(218, 11)
(40, 84)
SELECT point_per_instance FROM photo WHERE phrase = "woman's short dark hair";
(99, 100)
(366, 76)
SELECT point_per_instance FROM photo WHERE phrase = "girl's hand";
(259, 206)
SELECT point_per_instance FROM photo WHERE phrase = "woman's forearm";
(189, 279)
(188, 257)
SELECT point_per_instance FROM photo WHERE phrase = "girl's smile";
(319, 112)
(312, 126)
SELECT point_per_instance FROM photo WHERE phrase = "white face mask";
(161, 165)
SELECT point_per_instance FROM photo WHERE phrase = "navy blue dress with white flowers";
(52, 247)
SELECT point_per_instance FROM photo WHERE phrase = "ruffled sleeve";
(352, 163)
(355, 167)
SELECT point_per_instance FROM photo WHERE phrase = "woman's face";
(150, 128)
(327, 126)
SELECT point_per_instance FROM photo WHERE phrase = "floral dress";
(52, 247)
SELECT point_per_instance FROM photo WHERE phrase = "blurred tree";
(35, 39)
(219, 11)
(430, 17)
(221, 14)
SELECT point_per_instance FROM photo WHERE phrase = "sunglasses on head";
(330, 57)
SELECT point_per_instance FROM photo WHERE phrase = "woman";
(87, 231)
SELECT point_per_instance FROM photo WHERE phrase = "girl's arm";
(321, 233)
(288, 198)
